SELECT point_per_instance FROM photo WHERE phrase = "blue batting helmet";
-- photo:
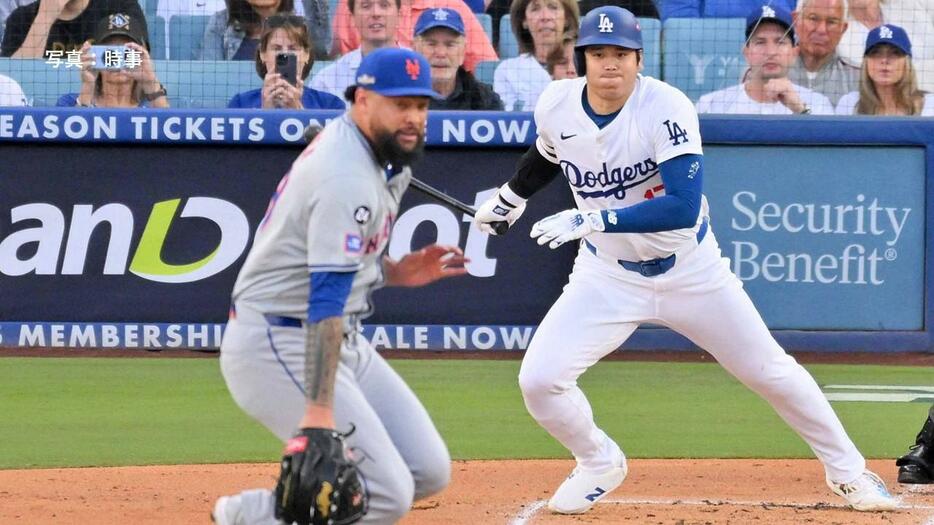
(606, 26)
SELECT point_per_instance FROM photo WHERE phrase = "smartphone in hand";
(287, 65)
(109, 58)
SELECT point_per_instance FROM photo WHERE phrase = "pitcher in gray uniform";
(293, 355)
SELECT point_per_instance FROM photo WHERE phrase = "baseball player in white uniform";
(630, 149)
(293, 355)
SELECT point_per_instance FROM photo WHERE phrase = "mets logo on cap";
(395, 72)
(412, 68)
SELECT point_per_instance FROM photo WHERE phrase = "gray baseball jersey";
(333, 212)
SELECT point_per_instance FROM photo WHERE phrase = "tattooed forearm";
(322, 353)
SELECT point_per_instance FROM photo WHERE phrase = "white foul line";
(528, 512)
(532, 509)
(741, 503)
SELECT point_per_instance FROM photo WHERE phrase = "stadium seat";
(702, 54)
(149, 8)
(485, 69)
(206, 83)
(678, 8)
(185, 35)
(508, 45)
(487, 22)
(156, 26)
(651, 43)
(738, 8)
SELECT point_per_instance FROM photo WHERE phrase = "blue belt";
(653, 267)
(274, 320)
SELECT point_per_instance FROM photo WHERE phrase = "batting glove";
(567, 225)
(505, 205)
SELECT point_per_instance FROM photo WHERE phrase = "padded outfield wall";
(125, 229)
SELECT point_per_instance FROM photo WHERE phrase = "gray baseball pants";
(405, 458)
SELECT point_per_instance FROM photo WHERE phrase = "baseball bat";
(500, 227)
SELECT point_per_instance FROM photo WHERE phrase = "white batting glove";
(504, 205)
(567, 225)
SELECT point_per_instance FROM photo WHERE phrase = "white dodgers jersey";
(617, 166)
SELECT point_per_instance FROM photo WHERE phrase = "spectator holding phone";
(117, 72)
(284, 52)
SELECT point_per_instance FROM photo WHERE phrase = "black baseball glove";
(318, 483)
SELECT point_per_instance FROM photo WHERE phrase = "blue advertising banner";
(824, 237)
(237, 126)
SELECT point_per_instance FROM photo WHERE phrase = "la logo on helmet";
(605, 25)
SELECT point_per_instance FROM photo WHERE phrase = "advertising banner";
(136, 242)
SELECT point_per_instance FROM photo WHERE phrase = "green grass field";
(84, 412)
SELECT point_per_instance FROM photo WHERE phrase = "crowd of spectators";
(816, 57)
(769, 51)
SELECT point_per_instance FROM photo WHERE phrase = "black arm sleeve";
(533, 172)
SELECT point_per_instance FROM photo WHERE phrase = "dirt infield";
(677, 492)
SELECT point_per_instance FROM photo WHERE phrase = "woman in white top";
(888, 84)
(914, 16)
(540, 27)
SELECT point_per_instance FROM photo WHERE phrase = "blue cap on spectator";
(769, 13)
(440, 17)
(395, 72)
(891, 35)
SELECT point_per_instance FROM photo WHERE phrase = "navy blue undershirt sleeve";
(677, 208)
(328, 295)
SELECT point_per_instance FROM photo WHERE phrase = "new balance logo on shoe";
(596, 494)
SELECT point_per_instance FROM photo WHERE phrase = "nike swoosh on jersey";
(565, 137)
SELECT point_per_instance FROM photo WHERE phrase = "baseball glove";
(318, 483)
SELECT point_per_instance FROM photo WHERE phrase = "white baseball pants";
(405, 458)
(700, 298)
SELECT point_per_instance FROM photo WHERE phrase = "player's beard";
(388, 149)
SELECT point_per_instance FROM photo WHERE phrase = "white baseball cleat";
(226, 511)
(867, 492)
(582, 489)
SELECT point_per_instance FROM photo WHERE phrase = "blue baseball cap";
(440, 17)
(891, 35)
(396, 72)
(769, 13)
